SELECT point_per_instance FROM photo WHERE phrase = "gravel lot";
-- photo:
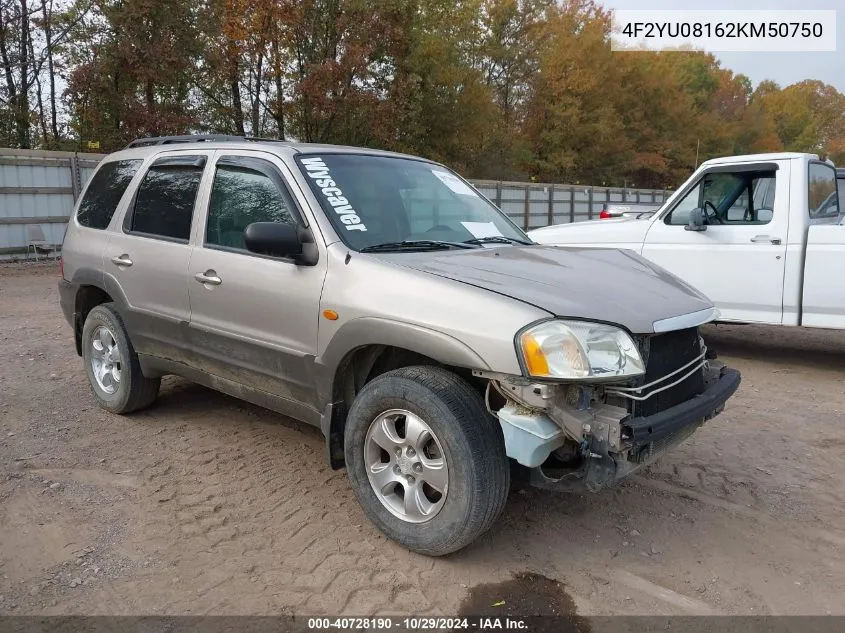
(207, 505)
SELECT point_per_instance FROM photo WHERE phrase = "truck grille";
(666, 353)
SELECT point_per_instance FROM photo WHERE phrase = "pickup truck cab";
(760, 235)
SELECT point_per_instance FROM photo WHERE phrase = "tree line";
(500, 89)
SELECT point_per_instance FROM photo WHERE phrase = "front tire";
(112, 365)
(426, 460)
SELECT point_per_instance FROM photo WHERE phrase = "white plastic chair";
(36, 241)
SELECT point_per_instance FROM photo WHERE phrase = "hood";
(614, 233)
(613, 286)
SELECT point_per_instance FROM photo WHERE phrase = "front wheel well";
(87, 298)
(362, 365)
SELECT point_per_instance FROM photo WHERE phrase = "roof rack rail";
(198, 138)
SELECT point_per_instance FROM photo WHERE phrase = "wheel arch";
(368, 347)
(93, 288)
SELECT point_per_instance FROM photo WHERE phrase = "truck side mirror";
(697, 221)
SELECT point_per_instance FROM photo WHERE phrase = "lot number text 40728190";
(418, 623)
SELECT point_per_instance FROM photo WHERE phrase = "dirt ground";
(207, 505)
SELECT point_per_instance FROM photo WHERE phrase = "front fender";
(364, 331)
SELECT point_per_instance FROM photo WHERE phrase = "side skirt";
(155, 366)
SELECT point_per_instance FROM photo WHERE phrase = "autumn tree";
(574, 129)
(808, 117)
(132, 78)
(507, 89)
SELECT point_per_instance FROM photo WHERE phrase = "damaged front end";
(577, 434)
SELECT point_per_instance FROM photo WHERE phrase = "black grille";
(666, 353)
(645, 453)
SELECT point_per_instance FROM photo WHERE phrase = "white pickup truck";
(761, 235)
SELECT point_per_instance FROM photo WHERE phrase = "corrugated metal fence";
(532, 205)
(38, 189)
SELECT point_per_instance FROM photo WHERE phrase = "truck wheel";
(426, 459)
(112, 364)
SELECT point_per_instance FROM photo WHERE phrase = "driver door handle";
(209, 277)
(765, 238)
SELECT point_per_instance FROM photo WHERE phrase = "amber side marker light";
(535, 359)
(331, 315)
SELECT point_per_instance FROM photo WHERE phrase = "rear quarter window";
(104, 192)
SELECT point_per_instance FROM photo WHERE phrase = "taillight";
(604, 215)
(61, 268)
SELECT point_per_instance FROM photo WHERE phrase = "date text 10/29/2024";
(481, 623)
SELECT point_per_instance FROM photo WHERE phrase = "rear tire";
(460, 504)
(112, 365)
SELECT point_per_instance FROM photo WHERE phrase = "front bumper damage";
(577, 436)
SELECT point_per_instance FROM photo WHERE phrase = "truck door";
(737, 256)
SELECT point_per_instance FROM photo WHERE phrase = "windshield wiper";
(415, 244)
(496, 239)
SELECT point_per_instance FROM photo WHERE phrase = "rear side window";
(164, 203)
(823, 199)
(104, 193)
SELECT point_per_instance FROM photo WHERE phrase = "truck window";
(729, 198)
(823, 199)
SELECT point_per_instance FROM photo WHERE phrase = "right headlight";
(576, 350)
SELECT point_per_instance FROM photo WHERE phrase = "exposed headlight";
(579, 350)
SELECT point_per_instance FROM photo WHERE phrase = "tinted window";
(104, 193)
(378, 199)
(164, 203)
(244, 191)
(729, 198)
(823, 200)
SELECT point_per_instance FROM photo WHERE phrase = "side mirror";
(697, 221)
(281, 240)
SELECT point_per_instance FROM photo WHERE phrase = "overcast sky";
(784, 68)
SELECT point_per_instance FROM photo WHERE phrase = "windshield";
(373, 200)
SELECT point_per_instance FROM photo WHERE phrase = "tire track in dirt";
(280, 518)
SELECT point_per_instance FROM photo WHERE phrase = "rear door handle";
(209, 277)
(765, 238)
(122, 260)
